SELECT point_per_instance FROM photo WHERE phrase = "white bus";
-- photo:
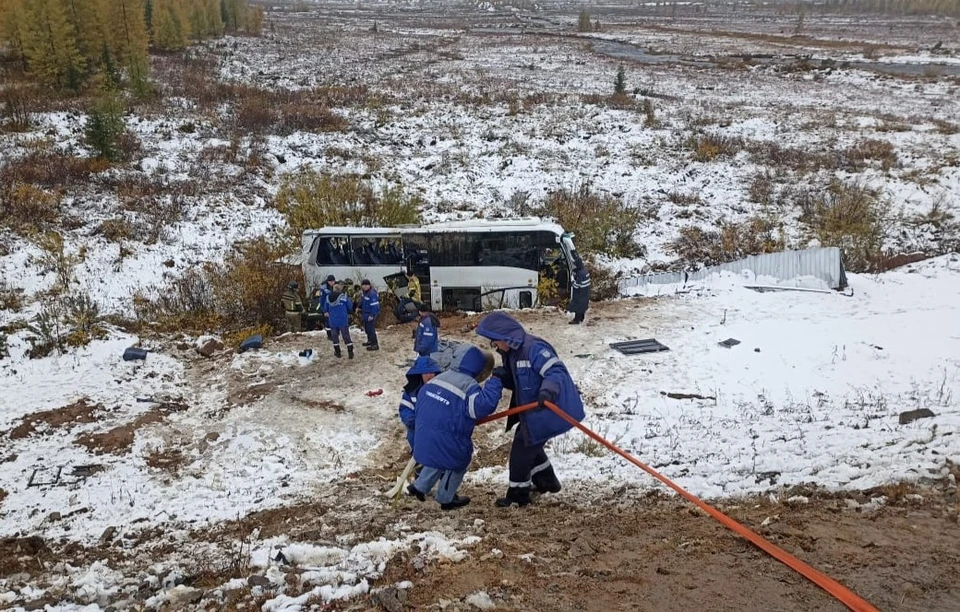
(468, 265)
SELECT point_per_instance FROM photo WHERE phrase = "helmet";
(293, 285)
(330, 278)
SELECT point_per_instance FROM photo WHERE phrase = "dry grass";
(707, 147)
(850, 216)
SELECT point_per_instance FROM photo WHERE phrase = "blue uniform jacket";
(447, 411)
(370, 304)
(338, 306)
(534, 365)
(427, 339)
(408, 401)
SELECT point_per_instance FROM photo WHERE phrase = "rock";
(108, 534)
(211, 346)
(181, 596)
(212, 436)
(581, 547)
(37, 604)
(258, 581)
(389, 599)
(183, 346)
(912, 415)
(53, 517)
(480, 600)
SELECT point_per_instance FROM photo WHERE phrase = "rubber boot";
(349, 351)
(458, 501)
(336, 351)
(546, 481)
(329, 334)
(515, 495)
(373, 347)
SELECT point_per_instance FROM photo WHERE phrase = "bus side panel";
(489, 279)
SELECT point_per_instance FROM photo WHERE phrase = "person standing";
(292, 307)
(325, 288)
(532, 370)
(413, 287)
(426, 337)
(315, 316)
(447, 411)
(337, 309)
(369, 310)
(580, 300)
(422, 372)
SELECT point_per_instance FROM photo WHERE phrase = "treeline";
(65, 43)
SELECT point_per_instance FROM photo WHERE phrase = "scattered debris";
(729, 343)
(375, 393)
(258, 581)
(133, 354)
(636, 347)
(912, 415)
(108, 535)
(251, 343)
(685, 396)
(306, 353)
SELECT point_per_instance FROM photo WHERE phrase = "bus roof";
(475, 225)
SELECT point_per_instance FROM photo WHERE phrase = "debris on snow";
(480, 600)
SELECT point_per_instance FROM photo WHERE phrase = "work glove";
(546, 395)
(500, 372)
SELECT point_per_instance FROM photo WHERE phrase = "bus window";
(333, 250)
(376, 250)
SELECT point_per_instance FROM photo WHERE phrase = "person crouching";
(337, 310)
(448, 407)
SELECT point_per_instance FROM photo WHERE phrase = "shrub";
(11, 298)
(49, 169)
(852, 217)
(857, 155)
(602, 223)
(603, 282)
(708, 147)
(242, 293)
(698, 247)
(17, 102)
(54, 258)
(46, 328)
(620, 82)
(82, 315)
(105, 128)
(26, 209)
(311, 200)
(4, 347)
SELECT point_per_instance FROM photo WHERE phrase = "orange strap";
(828, 584)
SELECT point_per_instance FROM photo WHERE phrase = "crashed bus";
(466, 265)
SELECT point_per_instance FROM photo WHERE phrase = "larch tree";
(171, 26)
(11, 28)
(50, 45)
(128, 38)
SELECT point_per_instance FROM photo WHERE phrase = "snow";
(812, 393)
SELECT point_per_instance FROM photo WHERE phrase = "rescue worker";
(369, 310)
(325, 288)
(292, 307)
(580, 300)
(447, 410)
(423, 370)
(532, 370)
(337, 309)
(315, 316)
(413, 287)
(426, 338)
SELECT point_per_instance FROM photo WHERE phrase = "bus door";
(416, 254)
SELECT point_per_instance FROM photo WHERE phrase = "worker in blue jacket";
(447, 410)
(325, 288)
(336, 310)
(369, 311)
(426, 338)
(423, 370)
(532, 370)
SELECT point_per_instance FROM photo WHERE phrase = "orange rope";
(828, 584)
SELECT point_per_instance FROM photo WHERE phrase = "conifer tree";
(50, 45)
(128, 38)
(11, 28)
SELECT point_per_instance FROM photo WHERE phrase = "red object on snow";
(375, 393)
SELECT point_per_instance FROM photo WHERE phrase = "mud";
(117, 441)
(81, 411)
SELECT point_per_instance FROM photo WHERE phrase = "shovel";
(402, 479)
